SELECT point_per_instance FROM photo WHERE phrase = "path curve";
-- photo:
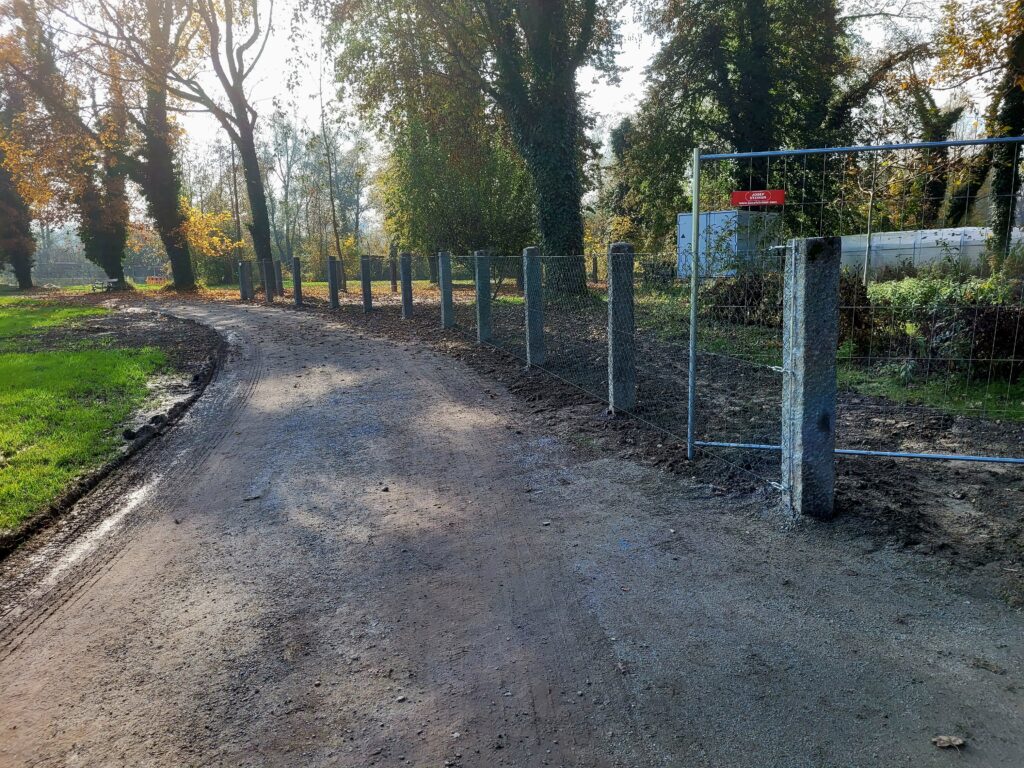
(356, 552)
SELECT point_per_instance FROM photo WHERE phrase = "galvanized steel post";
(297, 281)
(332, 282)
(393, 264)
(406, 270)
(691, 382)
(245, 280)
(364, 276)
(482, 278)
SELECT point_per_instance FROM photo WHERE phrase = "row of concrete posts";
(810, 333)
(272, 275)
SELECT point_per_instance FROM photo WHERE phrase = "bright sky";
(271, 84)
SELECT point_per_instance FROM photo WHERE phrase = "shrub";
(970, 326)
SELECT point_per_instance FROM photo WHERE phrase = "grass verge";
(60, 409)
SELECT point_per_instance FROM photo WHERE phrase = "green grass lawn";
(60, 408)
(20, 316)
(952, 394)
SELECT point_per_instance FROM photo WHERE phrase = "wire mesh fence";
(930, 349)
(931, 300)
(575, 323)
(508, 316)
(464, 293)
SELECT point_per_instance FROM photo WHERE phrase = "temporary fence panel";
(931, 348)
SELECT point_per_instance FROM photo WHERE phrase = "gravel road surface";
(356, 552)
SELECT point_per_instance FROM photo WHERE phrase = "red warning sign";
(759, 197)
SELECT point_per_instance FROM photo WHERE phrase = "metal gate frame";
(698, 159)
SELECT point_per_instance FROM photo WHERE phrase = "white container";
(728, 240)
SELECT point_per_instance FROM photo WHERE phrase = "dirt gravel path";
(356, 552)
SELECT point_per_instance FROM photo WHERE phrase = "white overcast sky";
(610, 102)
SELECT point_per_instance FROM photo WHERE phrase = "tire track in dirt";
(391, 596)
(27, 607)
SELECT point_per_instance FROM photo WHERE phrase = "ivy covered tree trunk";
(103, 225)
(1006, 158)
(21, 263)
(161, 184)
(547, 131)
(17, 244)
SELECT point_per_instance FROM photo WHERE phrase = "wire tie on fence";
(778, 369)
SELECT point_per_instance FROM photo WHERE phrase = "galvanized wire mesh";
(508, 318)
(464, 293)
(575, 321)
(931, 296)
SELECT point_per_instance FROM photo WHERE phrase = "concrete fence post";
(406, 269)
(332, 282)
(269, 287)
(482, 278)
(278, 278)
(533, 299)
(810, 336)
(444, 276)
(364, 276)
(245, 280)
(621, 328)
(297, 281)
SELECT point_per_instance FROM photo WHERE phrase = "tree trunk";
(549, 143)
(259, 227)
(21, 263)
(161, 185)
(103, 227)
(1006, 157)
(16, 241)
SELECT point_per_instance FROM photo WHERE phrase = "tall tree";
(235, 38)
(17, 244)
(524, 55)
(746, 75)
(83, 141)
(147, 37)
(984, 41)
(157, 37)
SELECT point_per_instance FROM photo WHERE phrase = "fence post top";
(531, 252)
(817, 247)
(444, 253)
(620, 248)
(481, 254)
